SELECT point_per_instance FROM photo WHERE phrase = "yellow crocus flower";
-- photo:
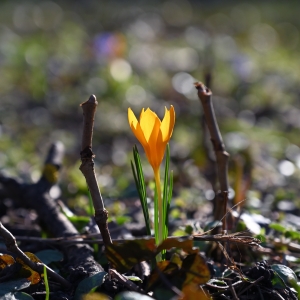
(153, 133)
(154, 136)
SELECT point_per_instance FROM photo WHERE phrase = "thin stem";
(156, 217)
(46, 284)
(161, 222)
(160, 206)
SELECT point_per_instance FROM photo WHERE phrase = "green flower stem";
(46, 284)
(160, 207)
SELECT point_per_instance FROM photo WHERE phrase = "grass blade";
(46, 284)
(166, 204)
(91, 205)
(170, 193)
(139, 179)
(166, 190)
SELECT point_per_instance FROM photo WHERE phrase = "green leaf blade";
(139, 179)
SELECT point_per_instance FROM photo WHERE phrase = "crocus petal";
(141, 114)
(172, 121)
(168, 123)
(152, 144)
(148, 120)
(160, 147)
(132, 120)
(153, 133)
(150, 126)
(136, 129)
(165, 124)
(166, 130)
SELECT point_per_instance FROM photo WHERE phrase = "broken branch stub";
(12, 246)
(87, 167)
(205, 96)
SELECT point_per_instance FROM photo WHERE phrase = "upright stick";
(87, 167)
(222, 156)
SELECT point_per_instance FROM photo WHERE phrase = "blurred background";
(54, 55)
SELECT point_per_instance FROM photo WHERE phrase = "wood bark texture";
(87, 167)
(205, 96)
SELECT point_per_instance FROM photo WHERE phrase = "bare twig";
(87, 167)
(224, 297)
(235, 297)
(223, 288)
(238, 237)
(210, 171)
(251, 285)
(230, 261)
(36, 196)
(168, 284)
(126, 282)
(12, 246)
(222, 156)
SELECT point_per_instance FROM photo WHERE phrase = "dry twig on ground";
(36, 196)
(12, 246)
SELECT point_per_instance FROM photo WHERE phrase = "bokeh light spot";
(55, 192)
(209, 195)
(286, 168)
(119, 157)
(183, 83)
(236, 140)
(47, 15)
(263, 38)
(177, 12)
(181, 59)
(23, 17)
(136, 95)
(120, 70)
(96, 86)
